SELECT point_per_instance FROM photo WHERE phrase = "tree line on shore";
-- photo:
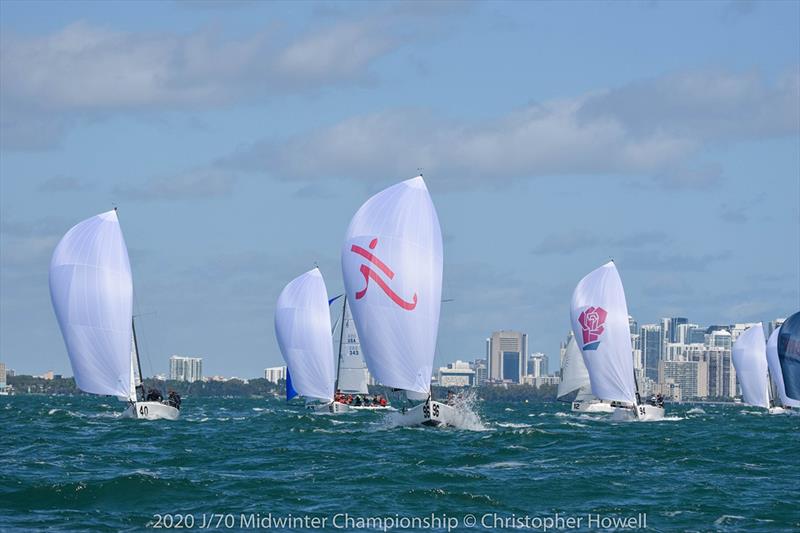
(260, 387)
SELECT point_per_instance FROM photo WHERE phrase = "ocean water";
(70, 464)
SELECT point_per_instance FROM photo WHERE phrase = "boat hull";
(334, 408)
(592, 407)
(151, 411)
(776, 410)
(643, 412)
(429, 413)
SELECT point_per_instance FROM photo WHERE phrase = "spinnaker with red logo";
(599, 315)
(392, 270)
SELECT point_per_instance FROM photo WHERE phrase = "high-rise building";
(507, 352)
(275, 374)
(633, 326)
(185, 368)
(2, 376)
(537, 365)
(721, 374)
(772, 325)
(674, 322)
(650, 342)
(695, 334)
(692, 376)
(481, 371)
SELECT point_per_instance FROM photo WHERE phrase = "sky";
(238, 139)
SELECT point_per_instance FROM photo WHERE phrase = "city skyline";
(545, 152)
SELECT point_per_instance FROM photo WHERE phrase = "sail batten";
(749, 358)
(302, 327)
(91, 289)
(599, 315)
(392, 270)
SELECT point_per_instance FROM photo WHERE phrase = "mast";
(138, 362)
(341, 338)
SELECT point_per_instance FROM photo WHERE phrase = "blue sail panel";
(290, 392)
(789, 355)
(335, 298)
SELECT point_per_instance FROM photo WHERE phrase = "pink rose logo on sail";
(591, 321)
(368, 274)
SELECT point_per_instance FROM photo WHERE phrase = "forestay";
(92, 294)
(392, 270)
(599, 316)
(303, 330)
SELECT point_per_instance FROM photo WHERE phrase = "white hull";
(592, 407)
(643, 412)
(333, 408)
(430, 413)
(151, 411)
(776, 410)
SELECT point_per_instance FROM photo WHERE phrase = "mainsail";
(91, 288)
(352, 372)
(574, 374)
(599, 316)
(775, 370)
(750, 361)
(303, 330)
(392, 269)
(789, 355)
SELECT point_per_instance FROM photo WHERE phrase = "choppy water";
(68, 463)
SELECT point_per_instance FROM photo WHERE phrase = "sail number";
(641, 410)
(426, 410)
(143, 410)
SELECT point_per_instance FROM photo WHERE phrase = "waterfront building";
(650, 343)
(457, 374)
(481, 371)
(507, 352)
(537, 365)
(2, 377)
(189, 369)
(275, 374)
(691, 376)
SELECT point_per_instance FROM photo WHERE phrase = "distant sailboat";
(392, 270)
(776, 374)
(303, 330)
(575, 376)
(91, 288)
(789, 355)
(599, 316)
(749, 356)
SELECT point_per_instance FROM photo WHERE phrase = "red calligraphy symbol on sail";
(368, 274)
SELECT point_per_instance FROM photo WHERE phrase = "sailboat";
(599, 315)
(352, 375)
(749, 356)
(303, 330)
(91, 288)
(789, 355)
(392, 270)
(774, 365)
(575, 376)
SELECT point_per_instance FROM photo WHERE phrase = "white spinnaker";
(574, 375)
(92, 293)
(303, 330)
(749, 355)
(392, 270)
(606, 344)
(775, 370)
(352, 367)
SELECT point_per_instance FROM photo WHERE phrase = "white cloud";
(652, 128)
